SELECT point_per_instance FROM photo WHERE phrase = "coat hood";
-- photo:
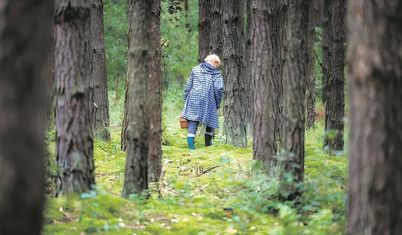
(209, 68)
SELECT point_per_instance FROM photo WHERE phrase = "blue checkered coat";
(203, 95)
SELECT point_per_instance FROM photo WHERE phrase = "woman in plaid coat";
(202, 97)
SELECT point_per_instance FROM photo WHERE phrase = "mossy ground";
(210, 190)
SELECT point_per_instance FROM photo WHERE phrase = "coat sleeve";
(218, 88)
(189, 85)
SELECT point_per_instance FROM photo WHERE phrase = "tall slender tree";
(155, 97)
(294, 92)
(204, 29)
(215, 40)
(268, 33)
(137, 134)
(125, 122)
(334, 76)
(235, 91)
(24, 46)
(247, 64)
(375, 76)
(99, 86)
(314, 14)
(74, 142)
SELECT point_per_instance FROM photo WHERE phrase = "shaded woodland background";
(299, 76)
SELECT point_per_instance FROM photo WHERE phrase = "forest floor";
(210, 190)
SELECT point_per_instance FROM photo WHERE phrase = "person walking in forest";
(202, 99)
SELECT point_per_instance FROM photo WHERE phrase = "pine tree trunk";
(335, 79)
(246, 71)
(155, 98)
(24, 46)
(294, 90)
(375, 75)
(99, 86)
(124, 126)
(74, 142)
(204, 27)
(235, 90)
(267, 64)
(310, 100)
(215, 40)
(325, 47)
(136, 171)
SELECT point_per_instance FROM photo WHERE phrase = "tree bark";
(325, 47)
(215, 40)
(124, 125)
(375, 76)
(235, 90)
(294, 90)
(24, 46)
(268, 32)
(335, 79)
(74, 142)
(310, 100)
(204, 29)
(99, 85)
(246, 71)
(155, 98)
(136, 171)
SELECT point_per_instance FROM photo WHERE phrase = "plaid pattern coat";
(203, 95)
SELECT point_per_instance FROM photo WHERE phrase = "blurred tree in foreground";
(25, 39)
(375, 167)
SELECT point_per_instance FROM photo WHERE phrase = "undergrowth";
(210, 190)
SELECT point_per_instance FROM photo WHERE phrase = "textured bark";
(310, 99)
(155, 98)
(235, 102)
(74, 142)
(246, 71)
(204, 27)
(215, 40)
(325, 47)
(24, 46)
(294, 90)
(99, 86)
(124, 125)
(335, 79)
(267, 56)
(375, 75)
(136, 170)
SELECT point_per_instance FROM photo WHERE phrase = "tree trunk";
(204, 29)
(124, 125)
(294, 90)
(310, 100)
(335, 80)
(268, 32)
(74, 143)
(235, 102)
(155, 98)
(246, 71)
(136, 171)
(325, 47)
(99, 86)
(24, 46)
(215, 40)
(375, 75)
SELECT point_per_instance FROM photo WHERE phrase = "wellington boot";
(208, 140)
(190, 141)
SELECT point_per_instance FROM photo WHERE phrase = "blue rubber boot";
(190, 141)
